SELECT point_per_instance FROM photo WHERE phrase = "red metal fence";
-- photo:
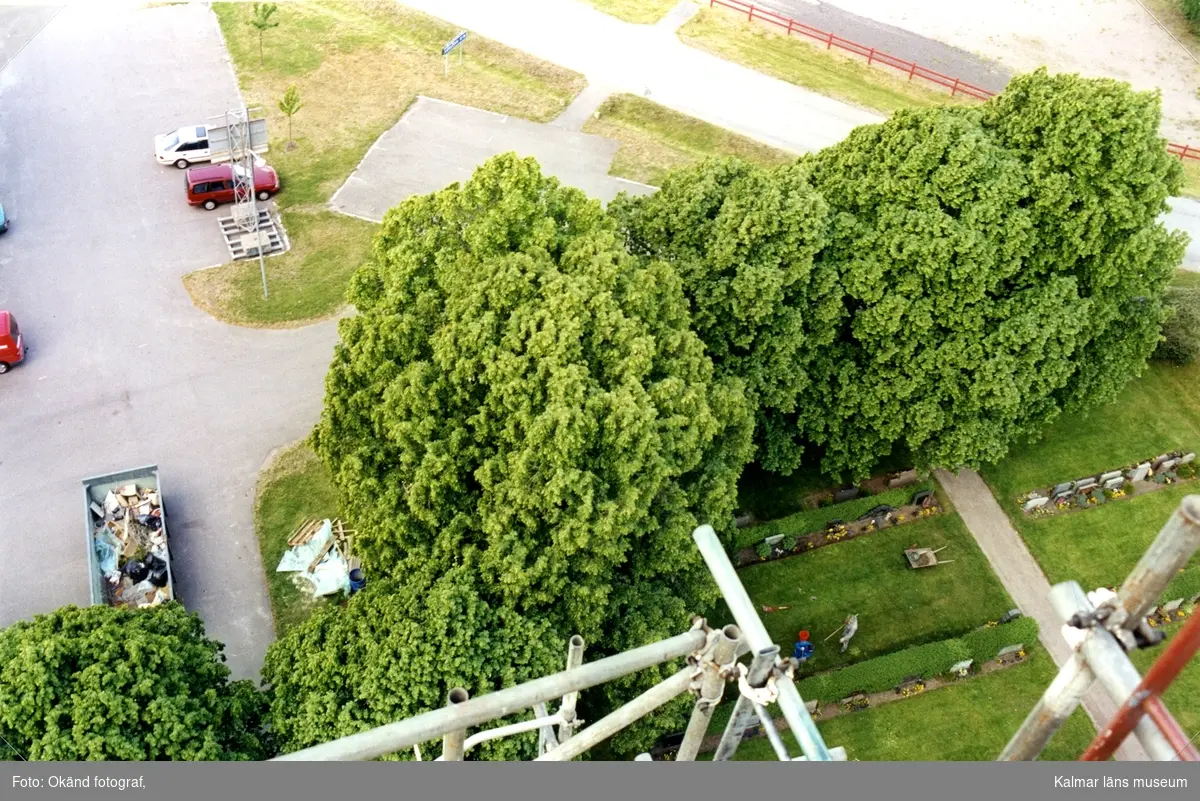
(873, 56)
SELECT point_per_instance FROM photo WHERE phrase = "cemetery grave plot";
(766, 496)
(870, 576)
(969, 720)
(1098, 549)
(1090, 492)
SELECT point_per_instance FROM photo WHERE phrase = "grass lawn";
(357, 67)
(806, 63)
(1098, 547)
(305, 284)
(644, 12)
(655, 140)
(1191, 178)
(896, 606)
(295, 487)
(816, 519)
(1183, 696)
(963, 722)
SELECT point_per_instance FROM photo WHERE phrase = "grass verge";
(969, 721)
(357, 68)
(294, 487)
(1183, 696)
(655, 140)
(1191, 178)
(306, 284)
(897, 606)
(794, 59)
(643, 12)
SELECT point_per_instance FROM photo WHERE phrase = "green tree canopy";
(395, 651)
(743, 240)
(118, 684)
(518, 394)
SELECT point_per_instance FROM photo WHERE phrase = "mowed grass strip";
(357, 67)
(968, 721)
(1098, 547)
(655, 140)
(295, 487)
(897, 606)
(1183, 695)
(305, 285)
(642, 12)
(805, 62)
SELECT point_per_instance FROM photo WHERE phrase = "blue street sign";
(455, 42)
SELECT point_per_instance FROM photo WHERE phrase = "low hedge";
(921, 661)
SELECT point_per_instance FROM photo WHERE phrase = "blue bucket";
(357, 580)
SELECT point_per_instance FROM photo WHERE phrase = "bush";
(1191, 10)
(922, 661)
(1181, 331)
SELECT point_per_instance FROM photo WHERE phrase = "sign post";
(456, 42)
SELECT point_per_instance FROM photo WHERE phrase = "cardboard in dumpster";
(331, 574)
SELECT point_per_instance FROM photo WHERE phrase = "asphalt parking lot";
(123, 370)
(437, 143)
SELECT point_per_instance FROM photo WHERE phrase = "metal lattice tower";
(241, 157)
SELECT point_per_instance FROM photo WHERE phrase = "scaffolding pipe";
(743, 710)
(546, 737)
(768, 726)
(519, 727)
(1104, 657)
(453, 741)
(1162, 561)
(1145, 700)
(744, 612)
(712, 688)
(610, 724)
(567, 709)
(431, 725)
(1061, 698)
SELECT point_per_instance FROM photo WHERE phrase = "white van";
(182, 148)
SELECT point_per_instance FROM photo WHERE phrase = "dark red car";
(213, 185)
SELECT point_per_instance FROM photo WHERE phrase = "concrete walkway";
(582, 108)
(1024, 580)
(649, 60)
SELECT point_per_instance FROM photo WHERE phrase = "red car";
(12, 346)
(211, 186)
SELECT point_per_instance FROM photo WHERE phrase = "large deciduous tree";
(395, 651)
(519, 394)
(117, 684)
(743, 240)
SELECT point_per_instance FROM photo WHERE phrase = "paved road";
(952, 61)
(1185, 215)
(124, 371)
(650, 60)
(437, 143)
(18, 25)
(1025, 582)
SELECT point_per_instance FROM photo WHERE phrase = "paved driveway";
(437, 143)
(124, 371)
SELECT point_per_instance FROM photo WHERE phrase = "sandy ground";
(1114, 38)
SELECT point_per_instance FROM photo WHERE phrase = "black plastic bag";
(136, 571)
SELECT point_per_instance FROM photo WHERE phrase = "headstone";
(1115, 483)
(1167, 465)
(848, 494)
(1010, 615)
(1187, 458)
(1035, 503)
(1086, 485)
(1139, 473)
(1062, 497)
(773, 540)
(923, 498)
(743, 521)
(903, 479)
(812, 706)
(1107, 477)
(1158, 460)
(878, 512)
(1008, 650)
(959, 667)
(1172, 607)
(1060, 489)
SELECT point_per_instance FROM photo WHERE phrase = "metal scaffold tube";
(743, 611)
(567, 710)
(744, 710)
(712, 688)
(436, 723)
(453, 745)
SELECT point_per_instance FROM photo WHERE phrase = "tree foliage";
(518, 394)
(117, 684)
(743, 240)
(1191, 10)
(395, 651)
(1181, 331)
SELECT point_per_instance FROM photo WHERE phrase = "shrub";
(983, 644)
(1191, 10)
(1181, 331)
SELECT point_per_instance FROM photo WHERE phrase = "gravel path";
(1024, 580)
(944, 58)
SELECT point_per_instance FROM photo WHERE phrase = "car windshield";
(170, 142)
